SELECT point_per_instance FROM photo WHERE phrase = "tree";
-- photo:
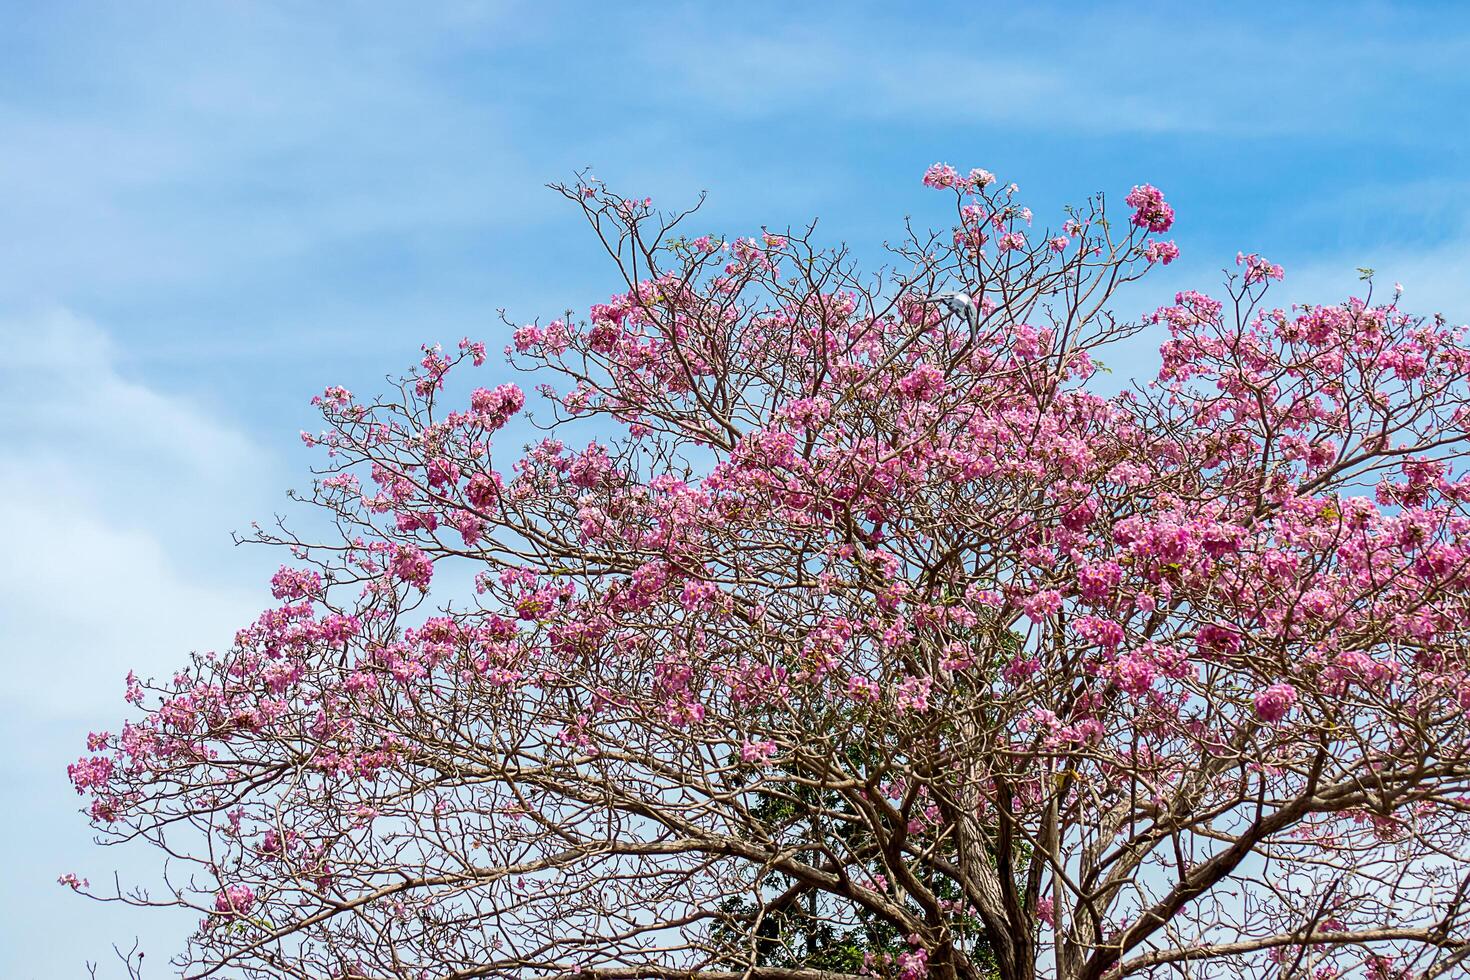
(865, 636)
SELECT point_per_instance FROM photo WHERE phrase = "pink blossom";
(913, 694)
(1258, 269)
(924, 383)
(92, 773)
(980, 179)
(495, 407)
(757, 751)
(1041, 605)
(475, 349)
(1011, 240)
(1275, 702)
(941, 175)
(1161, 252)
(295, 583)
(412, 566)
(442, 472)
(1151, 211)
(234, 900)
(913, 965)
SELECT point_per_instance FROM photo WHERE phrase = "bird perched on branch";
(957, 303)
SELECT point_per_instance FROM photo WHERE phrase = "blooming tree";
(832, 632)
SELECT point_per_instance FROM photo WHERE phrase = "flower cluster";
(1150, 210)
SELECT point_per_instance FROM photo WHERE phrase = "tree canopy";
(830, 629)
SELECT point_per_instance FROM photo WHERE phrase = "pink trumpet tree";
(828, 631)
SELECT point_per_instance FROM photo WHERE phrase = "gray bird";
(960, 304)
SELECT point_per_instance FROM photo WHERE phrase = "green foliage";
(798, 926)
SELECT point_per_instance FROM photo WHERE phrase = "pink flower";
(90, 773)
(496, 407)
(527, 337)
(234, 900)
(862, 689)
(757, 751)
(334, 397)
(295, 583)
(924, 383)
(981, 179)
(913, 965)
(1041, 605)
(1135, 675)
(441, 472)
(1258, 269)
(1011, 240)
(1021, 668)
(1152, 213)
(1275, 702)
(411, 565)
(1381, 968)
(941, 175)
(475, 349)
(1161, 252)
(913, 694)
(483, 490)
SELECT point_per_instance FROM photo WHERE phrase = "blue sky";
(212, 210)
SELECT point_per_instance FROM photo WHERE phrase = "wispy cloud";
(118, 500)
(219, 145)
(106, 484)
(1092, 70)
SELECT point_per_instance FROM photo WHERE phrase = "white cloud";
(1045, 67)
(213, 145)
(85, 601)
(119, 500)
